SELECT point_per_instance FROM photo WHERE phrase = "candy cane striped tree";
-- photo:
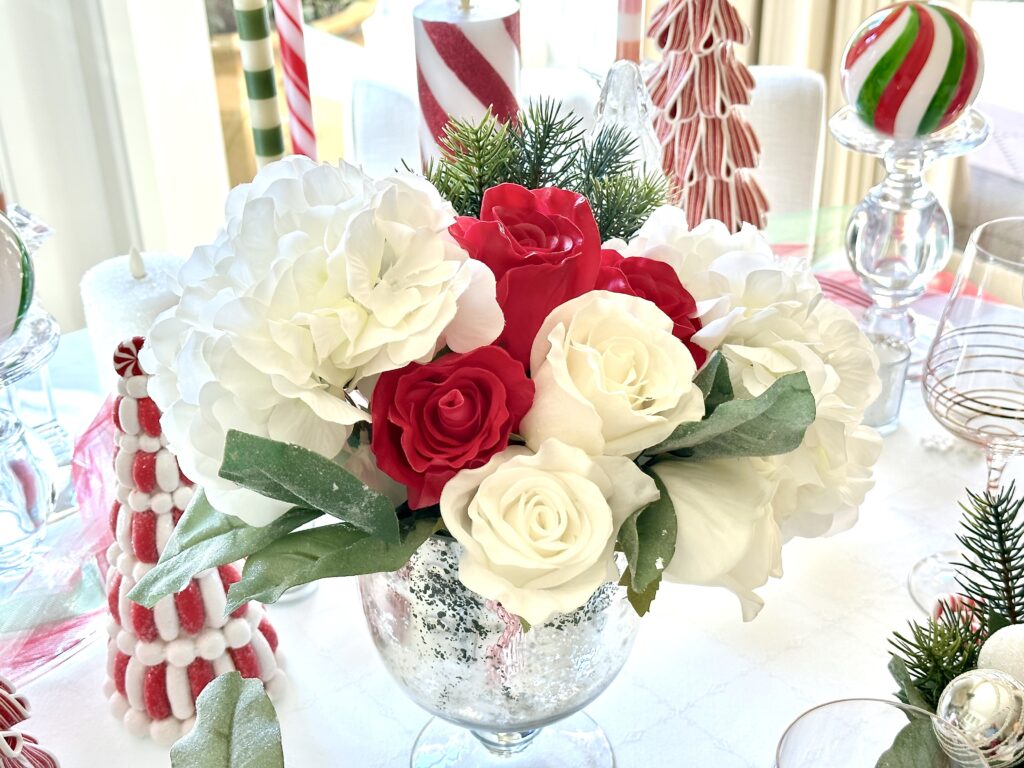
(161, 658)
(708, 146)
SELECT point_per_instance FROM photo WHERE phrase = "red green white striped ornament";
(912, 69)
(17, 279)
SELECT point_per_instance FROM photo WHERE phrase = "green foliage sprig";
(992, 574)
(544, 147)
(936, 652)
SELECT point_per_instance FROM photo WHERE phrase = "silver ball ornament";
(987, 707)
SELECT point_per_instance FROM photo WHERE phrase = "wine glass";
(973, 378)
(861, 733)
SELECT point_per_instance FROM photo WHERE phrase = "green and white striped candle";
(260, 81)
(912, 69)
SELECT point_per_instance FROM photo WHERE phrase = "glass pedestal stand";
(898, 238)
(27, 465)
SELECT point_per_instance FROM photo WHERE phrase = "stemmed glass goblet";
(973, 378)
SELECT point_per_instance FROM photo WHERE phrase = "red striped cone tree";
(17, 749)
(160, 659)
(708, 147)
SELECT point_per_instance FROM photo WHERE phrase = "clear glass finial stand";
(898, 239)
(26, 462)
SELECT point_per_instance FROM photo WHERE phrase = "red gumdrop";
(115, 509)
(200, 673)
(113, 598)
(228, 576)
(269, 633)
(117, 411)
(189, 603)
(245, 660)
(144, 623)
(120, 669)
(149, 417)
(154, 692)
(144, 471)
(144, 536)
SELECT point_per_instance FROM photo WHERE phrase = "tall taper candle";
(257, 51)
(467, 59)
(288, 19)
(630, 30)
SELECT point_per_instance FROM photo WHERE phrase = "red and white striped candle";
(467, 60)
(631, 30)
(288, 17)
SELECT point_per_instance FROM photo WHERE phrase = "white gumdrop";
(1004, 651)
(138, 501)
(182, 496)
(109, 689)
(167, 476)
(277, 686)
(165, 732)
(113, 628)
(136, 386)
(128, 443)
(210, 644)
(150, 654)
(125, 563)
(149, 444)
(137, 723)
(181, 652)
(187, 726)
(161, 503)
(118, 705)
(126, 643)
(237, 633)
(123, 464)
(141, 569)
(113, 552)
(128, 415)
(122, 389)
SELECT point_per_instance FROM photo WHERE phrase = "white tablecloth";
(701, 688)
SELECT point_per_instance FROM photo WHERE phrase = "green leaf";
(641, 601)
(913, 747)
(299, 476)
(770, 424)
(911, 695)
(713, 380)
(322, 553)
(205, 538)
(236, 727)
(648, 539)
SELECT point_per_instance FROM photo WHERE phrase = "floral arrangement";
(351, 347)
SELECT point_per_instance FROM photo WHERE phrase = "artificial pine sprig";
(992, 573)
(936, 652)
(544, 147)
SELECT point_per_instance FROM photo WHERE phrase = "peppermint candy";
(912, 69)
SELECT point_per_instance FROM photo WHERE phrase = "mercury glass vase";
(500, 696)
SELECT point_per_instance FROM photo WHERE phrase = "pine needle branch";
(936, 652)
(545, 146)
(993, 570)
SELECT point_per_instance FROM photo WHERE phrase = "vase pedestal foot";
(575, 742)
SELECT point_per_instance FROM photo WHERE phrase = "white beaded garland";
(181, 652)
(150, 654)
(137, 722)
(118, 705)
(165, 732)
(161, 503)
(237, 633)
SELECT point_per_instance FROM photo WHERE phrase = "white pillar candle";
(467, 59)
(122, 297)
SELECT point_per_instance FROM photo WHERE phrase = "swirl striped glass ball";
(912, 69)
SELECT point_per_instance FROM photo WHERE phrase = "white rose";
(726, 535)
(610, 377)
(539, 530)
(321, 277)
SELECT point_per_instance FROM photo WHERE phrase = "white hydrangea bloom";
(320, 278)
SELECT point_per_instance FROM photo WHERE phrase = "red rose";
(543, 247)
(657, 282)
(430, 421)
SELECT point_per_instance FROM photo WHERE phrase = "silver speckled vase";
(500, 697)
